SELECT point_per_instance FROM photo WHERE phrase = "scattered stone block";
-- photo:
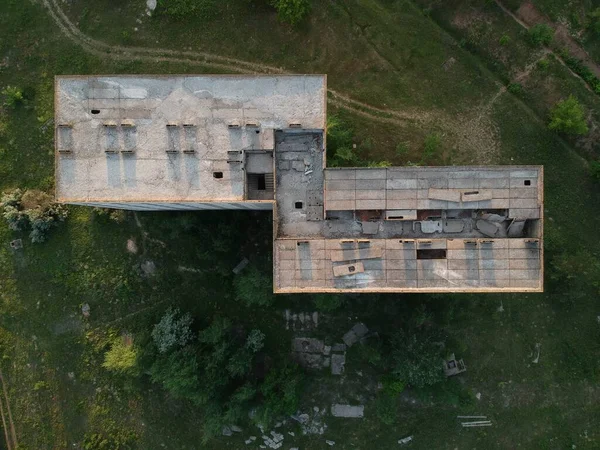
(241, 266)
(357, 332)
(338, 348)
(337, 364)
(330, 443)
(227, 431)
(327, 350)
(326, 362)
(235, 428)
(406, 440)
(350, 411)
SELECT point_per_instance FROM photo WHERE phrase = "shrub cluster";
(33, 210)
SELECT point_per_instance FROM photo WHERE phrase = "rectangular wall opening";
(431, 253)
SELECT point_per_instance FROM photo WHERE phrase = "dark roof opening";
(298, 205)
(95, 111)
(218, 174)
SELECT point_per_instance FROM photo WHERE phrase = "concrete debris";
(337, 364)
(314, 424)
(357, 332)
(301, 321)
(308, 352)
(17, 244)
(132, 246)
(85, 310)
(338, 348)
(248, 441)
(278, 424)
(330, 443)
(405, 440)
(148, 268)
(235, 428)
(291, 433)
(241, 266)
(537, 349)
(350, 411)
(151, 4)
(226, 431)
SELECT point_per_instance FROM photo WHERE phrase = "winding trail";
(116, 52)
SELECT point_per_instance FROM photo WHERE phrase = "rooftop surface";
(180, 142)
(410, 229)
(162, 138)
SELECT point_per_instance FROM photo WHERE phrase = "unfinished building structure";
(258, 142)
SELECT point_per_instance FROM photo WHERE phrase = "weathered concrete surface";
(337, 364)
(85, 105)
(357, 332)
(338, 410)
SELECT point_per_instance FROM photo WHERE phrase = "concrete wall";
(183, 206)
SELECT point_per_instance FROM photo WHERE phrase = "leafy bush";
(504, 40)
(122, 356)
(182, 9)
(541, 34)
(328, 302)
(255, 341)
(582, 70)
(431, 147)
(12, 96)
(173, 330)
(568, 116)
(116, 215)
(113, 440)
(392, 386)
(595, 21)
(291, 11)
(595, 170)
(340, 147)
(178, 373)
(543, 64)
(280, 393)
(253, 288)
(515, 88)
(33, 209)
(416, 359)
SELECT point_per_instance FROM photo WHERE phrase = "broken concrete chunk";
(338, 410)
(307, 345)
(357, 332)
(235, 428)
(337, 364)
(338, 348)
(227, 431)
(406, 440)
(241, 266)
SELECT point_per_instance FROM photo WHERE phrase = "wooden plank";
(348, 269)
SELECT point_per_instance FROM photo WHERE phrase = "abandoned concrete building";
(150, 143)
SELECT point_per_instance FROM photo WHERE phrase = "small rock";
(227, 431)
(478, 396)
(406, 440)
(291, 433)
(331, 443)
(316, 409)
(327, 350)
(148, 267)
(85, 310)
(132, 246)
(235, 428)
(278, 424)
(151, 4)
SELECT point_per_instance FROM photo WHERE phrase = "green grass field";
(429, 67)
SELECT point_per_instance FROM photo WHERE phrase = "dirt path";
(528, 13)
(117, 52)
(525, 18)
